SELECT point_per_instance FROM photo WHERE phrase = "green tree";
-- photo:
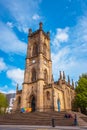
(81, 93)
(3, 103)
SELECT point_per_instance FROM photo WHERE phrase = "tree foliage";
(81, 93)
(3, 102)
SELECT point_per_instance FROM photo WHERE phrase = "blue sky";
(67, 22)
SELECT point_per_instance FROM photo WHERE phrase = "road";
(25, 127)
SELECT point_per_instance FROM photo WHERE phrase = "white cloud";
(3, 66)
(16, 75)
(23, 29)
(11, 91)
(36, 17)
(10, 24)
(9, 41)
(22, 12)
(63, 62)
(72, 58)
(79, 35)
(5, 89)
(4, 92)
(61, 36)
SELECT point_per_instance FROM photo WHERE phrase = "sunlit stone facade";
(39, 91)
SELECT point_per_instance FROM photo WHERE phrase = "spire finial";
(72, 83)
(68, 80)
(64, 76)
(40, 25)
(17, 87)
(76, 83)
(30, 31)
(52, 79)
(60, 75)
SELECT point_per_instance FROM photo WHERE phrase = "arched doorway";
(58, 103)
(33, 105)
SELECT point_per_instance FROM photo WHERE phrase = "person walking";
(75, 120)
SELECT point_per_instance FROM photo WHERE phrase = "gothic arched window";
(45, 49)
(45, 75)
(33, 78)
(19, 100)
(35, 49)
(48, 95)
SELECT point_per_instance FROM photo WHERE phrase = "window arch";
(32, 100)
(45, 49)
(45, 75)
(19, 100)
(48, 95)
(33, 78)
(35, 49)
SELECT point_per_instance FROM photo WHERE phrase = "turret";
(64, 76)
(68, 80)
(40, 25)
(30, 32)
(48, 34)
(52, 79)
(17, 88)
(60, 76)
(72, 84)
(60, 79)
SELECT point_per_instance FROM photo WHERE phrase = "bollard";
(53, 124)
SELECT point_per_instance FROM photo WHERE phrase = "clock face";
(33, 61)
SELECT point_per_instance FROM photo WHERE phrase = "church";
(40, 92)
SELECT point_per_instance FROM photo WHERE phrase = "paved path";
(25, 127)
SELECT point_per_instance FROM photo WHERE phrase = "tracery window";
(35, 49)
(45, 49)
(33, 78)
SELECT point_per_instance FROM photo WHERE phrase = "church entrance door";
(33, 103)
(58, 103)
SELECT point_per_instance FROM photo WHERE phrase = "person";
(69, 116)
(65, 116)
(75, 120)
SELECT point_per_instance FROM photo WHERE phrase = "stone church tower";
(39, 91)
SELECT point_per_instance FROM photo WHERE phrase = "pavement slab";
(25, 127)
